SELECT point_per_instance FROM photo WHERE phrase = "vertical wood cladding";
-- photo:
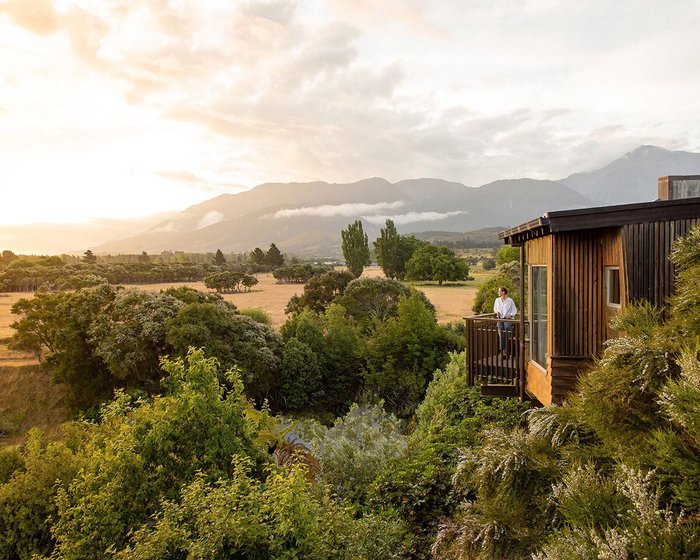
(646, 248)
(539, 251)
(579, 308)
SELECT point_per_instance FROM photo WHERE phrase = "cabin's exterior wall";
(577, 307)
(646, 248)
(537, 379)
(611, 241)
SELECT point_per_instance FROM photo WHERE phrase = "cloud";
(209, 219)
(168, 227)
(37, 16)
(329, 210)
(412, 217)
(194, 180)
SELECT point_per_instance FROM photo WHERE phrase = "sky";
(120, 109)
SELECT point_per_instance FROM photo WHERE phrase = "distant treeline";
(479, 239)
(29, 273)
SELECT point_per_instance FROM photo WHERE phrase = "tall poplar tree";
(388, 249)
(355, 248)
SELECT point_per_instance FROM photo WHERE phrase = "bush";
(488, 292)
(258, 315)
(356, 448)
(507, 254)
(402, 354)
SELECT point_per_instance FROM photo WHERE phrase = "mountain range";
(306, 218)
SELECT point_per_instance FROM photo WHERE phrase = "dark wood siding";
(646, 247)
(578, 306)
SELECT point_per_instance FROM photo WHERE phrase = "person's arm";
(495, 307)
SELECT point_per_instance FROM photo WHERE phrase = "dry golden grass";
(29, 399)
(9, 358)
(452, 303)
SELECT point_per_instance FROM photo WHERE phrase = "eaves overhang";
(601, 217)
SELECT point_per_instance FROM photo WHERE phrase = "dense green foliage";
(99, 339)
(402, 354)
(429, 262)
(355, 248)
(507, 254)
(393, 250)
(229, 281)
(299, 273)
(488, 292)
(320, 291)
(368, 298)
(184, 475)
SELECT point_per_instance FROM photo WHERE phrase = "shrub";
(258, 315)
(356, 448)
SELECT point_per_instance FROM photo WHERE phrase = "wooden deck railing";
(497, 370)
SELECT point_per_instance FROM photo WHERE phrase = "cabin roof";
(601, 217)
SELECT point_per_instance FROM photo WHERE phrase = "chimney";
(674, 187)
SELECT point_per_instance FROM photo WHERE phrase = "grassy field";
(452, 301)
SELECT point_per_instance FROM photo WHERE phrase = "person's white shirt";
(505, 308)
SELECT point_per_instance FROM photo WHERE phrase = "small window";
(612, 287)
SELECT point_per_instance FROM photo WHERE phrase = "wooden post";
(521, 358)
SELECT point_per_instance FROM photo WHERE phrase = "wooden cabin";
(582, 267)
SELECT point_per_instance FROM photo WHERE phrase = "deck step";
(493, 390)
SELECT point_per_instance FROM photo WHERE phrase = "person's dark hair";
(504, 289)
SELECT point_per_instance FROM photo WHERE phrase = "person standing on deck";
(504, 308)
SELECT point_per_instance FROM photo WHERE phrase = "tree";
(507, 254)
(403, 353)
(89, 257)
(320, 291)
(7, 257)
(301, 376)
(131, 336)
(388, 250)
(436, 263)
(258, 256)
(365, 298)
(273, 257)
(219, 257)
(393, 250)
(248, 282)
(57, 328)
(355, 248)
(233, 339)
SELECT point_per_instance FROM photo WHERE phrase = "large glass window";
(538, 314)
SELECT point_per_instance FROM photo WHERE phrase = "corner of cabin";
(538, 383)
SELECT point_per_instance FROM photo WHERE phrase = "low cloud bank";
(332, 210)
(411, 217)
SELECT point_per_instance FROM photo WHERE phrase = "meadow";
(452, 302)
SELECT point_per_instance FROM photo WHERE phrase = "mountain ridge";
(291, 214)
(306, 218)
